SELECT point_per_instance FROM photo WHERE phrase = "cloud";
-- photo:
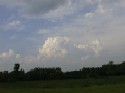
(13, 25)
(47, 9)
(56, 51)
(103, 9)
(89, 29)
(8, 59)
(52, 10)
(54, 47)
(44, 31)
(58, 9)
(89, 15)
(63, 52)
(9, 55)
(38, 8)
(11, 2)
(94, 45)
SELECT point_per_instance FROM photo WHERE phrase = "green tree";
(16, 67)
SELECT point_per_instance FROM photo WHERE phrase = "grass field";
(103, 85)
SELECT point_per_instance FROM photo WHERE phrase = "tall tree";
(16, 67)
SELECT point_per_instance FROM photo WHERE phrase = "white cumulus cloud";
(9, 55)
(54, 47)
(63, 46)
(95, 46)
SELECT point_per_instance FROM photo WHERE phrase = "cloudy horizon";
(70, 34)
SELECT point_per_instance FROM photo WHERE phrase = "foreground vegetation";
(114, 84)
(120, 88)
(56, 73)
(109, 78)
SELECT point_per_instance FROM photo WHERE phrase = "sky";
(70, 34)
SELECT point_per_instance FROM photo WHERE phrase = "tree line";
(56, 73)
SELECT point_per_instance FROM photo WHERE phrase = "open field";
(103, 85)
(119, 88)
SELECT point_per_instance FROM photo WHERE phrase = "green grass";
(118, 88)
(103, 85)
